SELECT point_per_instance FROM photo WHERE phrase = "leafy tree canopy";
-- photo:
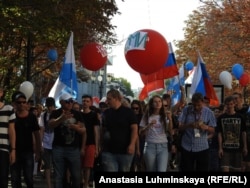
(220, 31)
(29, 29)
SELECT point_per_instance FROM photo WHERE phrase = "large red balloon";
(93, 56)
(244, 79)
(146, 51)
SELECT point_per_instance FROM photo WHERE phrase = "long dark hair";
(137, 102)
(150, 110)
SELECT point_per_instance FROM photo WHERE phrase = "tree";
(220, 31)
(30, 28)
(127, 87)
(122, 84)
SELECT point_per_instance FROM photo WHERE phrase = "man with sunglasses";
(26, 125)
(68, 126)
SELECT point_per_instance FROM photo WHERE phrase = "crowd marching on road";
(64, 147)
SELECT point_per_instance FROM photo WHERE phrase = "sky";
(164, 16)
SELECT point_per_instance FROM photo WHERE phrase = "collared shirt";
(189, 141)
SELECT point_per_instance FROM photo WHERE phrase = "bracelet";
(13, 148)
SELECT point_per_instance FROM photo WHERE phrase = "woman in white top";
(156, 126)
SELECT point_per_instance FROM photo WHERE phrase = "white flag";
(67, 80)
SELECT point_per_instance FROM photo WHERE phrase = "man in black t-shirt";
(120, 132)
(68, 127)
(26, 125)
(244, 109)
(231, 137)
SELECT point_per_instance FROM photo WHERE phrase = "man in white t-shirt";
(47, 136)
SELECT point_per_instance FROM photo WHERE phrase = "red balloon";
(244, 79)
(93, 56)
(146, 51)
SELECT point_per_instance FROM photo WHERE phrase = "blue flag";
(67, 80)
(173, 86)
(182, 76)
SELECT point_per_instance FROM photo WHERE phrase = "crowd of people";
(74, 141)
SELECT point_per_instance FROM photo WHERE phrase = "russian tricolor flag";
(201, 83)
(156, 80)
(169, 69)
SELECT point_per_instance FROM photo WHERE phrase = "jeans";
(63, 158)
(112, 162)
(156, 157)
(25, 162)
(4, 169)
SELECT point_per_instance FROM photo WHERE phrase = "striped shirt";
(7, 115)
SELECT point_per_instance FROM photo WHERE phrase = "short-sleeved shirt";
(117, 123)
(189, 142)
(63, 135)
(25, 126)
(231, 128)
(7, 115)
(157, 132)
(91, 120)
(48, 135)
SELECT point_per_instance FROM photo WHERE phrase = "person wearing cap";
(26, 125)
(68, 126)
(47, 136)
(7, 139)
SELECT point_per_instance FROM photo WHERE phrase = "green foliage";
(127, 86)
(47, 23)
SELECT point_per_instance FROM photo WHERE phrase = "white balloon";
(226, 79)
(27, 89)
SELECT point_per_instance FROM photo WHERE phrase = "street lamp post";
(100, 80)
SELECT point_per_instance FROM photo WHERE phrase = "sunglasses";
(21, 102)
(165, 105)
(69, 101)
(135, 108)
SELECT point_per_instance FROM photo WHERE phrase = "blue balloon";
(52, 55)
(237, 70)
(189, 65)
